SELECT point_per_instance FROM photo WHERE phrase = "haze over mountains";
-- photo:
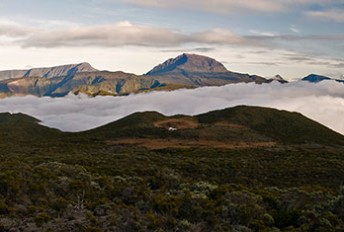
(184, 71)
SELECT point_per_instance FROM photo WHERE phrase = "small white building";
(172, 129)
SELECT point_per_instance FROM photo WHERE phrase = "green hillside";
(242, 123)
(14, 127)
(283, 126)
(220, 171)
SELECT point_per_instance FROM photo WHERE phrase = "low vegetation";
(55, 181)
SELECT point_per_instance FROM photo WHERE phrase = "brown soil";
(178, 143)
(229, 125)
(179, 123)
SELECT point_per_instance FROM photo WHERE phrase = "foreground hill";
(238, 169)
(20, 127)
(242, 124)
(233, 126)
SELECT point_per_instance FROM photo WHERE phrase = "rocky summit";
(189, 63)
(57, 71)
(315, 78)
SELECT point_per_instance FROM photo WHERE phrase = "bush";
(41, 218)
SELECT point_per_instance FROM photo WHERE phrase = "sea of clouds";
(322, 102)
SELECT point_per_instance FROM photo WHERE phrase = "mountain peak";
(189, 63)
(314, 78)
(62, 70)
(278, 78)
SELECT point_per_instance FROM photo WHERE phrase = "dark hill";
(283, 126)
(20, 127)
(241, 124)
(238, 124)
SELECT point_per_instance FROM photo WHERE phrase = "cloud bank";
(323, 102)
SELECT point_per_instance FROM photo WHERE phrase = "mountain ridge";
(48, 72)
(183, 71)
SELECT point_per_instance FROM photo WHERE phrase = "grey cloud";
(266, 63)
(298, 58)
(125, 33)
(204, 49)
(297, 38)
(338, 65)
(14, 30)
(217, 6)
(335, 15)
(120, 34)
(230, 6)
(323, 102)
(200, 49)
(332, 63)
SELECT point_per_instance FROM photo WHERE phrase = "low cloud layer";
(323, 102)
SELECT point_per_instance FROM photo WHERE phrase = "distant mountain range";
(184, 71)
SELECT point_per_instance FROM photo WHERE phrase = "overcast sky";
(265, 37)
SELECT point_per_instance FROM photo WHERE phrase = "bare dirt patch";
(178, 143)
(178, 123)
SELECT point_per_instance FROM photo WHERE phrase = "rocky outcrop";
(189, 63)
(57, 71)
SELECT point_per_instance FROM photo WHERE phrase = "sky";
(322, 102)
(292, 38)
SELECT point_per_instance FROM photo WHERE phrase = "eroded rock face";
(11, 74)
(64, 70)
(189, 63)
(57, 71)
